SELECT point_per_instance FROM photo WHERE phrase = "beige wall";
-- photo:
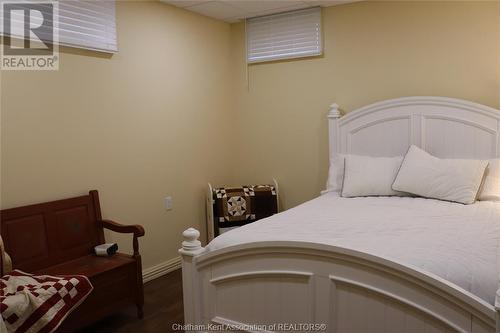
(373, 51)
(158, 117)
(138, 126)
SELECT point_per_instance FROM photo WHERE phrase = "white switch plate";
(168, 203)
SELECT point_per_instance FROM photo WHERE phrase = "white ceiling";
(235, 10)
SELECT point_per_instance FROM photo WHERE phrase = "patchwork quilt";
(30, 303)
(237, 206)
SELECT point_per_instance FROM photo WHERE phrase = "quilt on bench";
(30, 303)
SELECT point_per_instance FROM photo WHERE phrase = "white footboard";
(259, 286)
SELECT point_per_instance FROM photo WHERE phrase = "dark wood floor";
(162, 309)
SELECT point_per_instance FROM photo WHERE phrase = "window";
(89, 24)
(283, 36)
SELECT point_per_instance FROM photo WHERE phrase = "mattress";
(457, 242)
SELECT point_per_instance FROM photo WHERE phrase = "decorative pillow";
(335, 174)
(490, 190)
(370, 176)
(456, 180)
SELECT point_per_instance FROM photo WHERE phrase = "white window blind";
(283, 36)
(87, 24)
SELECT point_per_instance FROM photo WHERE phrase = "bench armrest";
(135, 229)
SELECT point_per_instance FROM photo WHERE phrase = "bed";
(373, 264)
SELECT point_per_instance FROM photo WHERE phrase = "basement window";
(294, 34)
(85, 24)
(88, 25)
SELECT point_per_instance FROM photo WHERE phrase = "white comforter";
(457, 242)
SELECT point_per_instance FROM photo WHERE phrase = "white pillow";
(491, 183)
(454, 180)
(335, 174)
(370, 176)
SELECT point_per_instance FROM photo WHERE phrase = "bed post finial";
(191, 245)
(334, 111)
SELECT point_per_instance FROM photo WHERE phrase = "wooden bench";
(58, 238)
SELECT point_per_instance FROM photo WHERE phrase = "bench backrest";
(46, 234)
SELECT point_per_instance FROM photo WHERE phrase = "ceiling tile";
(217, 9)
(236, 10)
(261, 6)
(326, 3)
(297, 5)
(183, 3)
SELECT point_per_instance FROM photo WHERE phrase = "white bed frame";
(267, 283)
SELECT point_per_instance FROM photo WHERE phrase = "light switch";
(168, 203)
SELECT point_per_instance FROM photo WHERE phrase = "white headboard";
(444, 127)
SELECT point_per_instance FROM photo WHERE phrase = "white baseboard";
(161, 269)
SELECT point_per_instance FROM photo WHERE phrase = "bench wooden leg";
(140, 288)
(140, 311)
